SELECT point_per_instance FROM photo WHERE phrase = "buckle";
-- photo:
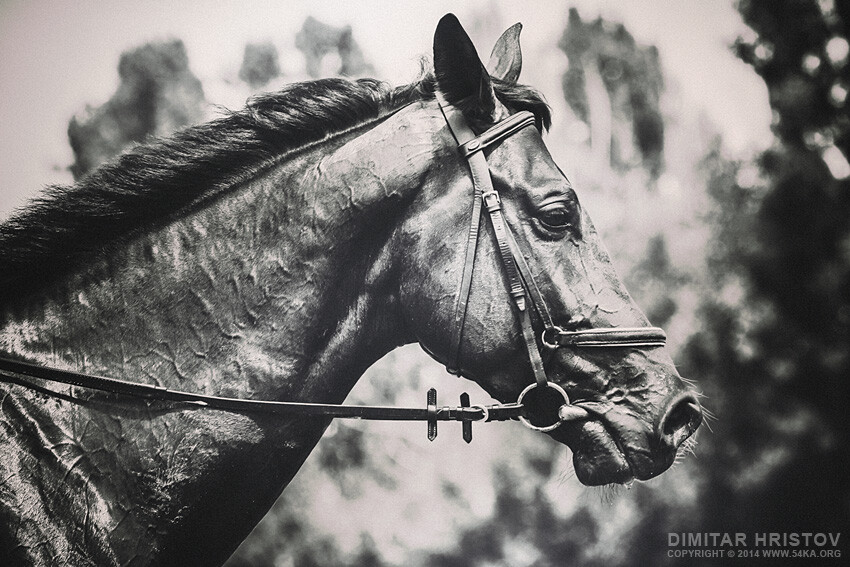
(462, 413)
(491, 200)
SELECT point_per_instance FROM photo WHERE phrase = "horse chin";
(597, 457)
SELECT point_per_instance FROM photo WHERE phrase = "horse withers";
(275, 254)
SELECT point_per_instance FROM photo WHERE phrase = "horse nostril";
(681, 420)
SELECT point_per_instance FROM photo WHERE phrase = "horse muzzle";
(610, 442)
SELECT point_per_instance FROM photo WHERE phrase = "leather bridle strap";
(469, 256)
(606, 337)
(18, 372)
(521, 282)
(494, 206)
(472, 148)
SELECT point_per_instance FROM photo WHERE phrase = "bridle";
(522, 285)
(522, 288)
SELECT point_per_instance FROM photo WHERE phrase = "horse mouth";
(598, 458)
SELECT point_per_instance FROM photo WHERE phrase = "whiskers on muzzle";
(686, 449)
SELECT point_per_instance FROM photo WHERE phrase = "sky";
(58, 56)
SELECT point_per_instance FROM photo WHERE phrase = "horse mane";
(154, 181)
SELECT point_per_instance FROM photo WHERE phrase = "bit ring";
(544, 428)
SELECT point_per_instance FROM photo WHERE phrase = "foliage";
(259, 64)
(158, 94)
(632, 80)
(772, 352)
(317, 40)
(778, 357)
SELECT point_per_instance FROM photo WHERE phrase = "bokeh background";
(709, 142)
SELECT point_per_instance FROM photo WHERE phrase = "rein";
(14, 371)
(522, 288)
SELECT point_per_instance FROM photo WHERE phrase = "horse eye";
(556, 216)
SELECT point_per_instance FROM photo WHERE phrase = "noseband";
(522, 288)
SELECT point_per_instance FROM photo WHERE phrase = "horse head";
(510, 285)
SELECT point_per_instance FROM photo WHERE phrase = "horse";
(271, 256)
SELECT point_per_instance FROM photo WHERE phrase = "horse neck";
(271, 272)
(280, 289)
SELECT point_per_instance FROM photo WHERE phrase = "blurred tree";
(157, 95)
(614, 86)
(317, 39)
(524, 529)
(653, 280)
(259, 64)
(773, 355)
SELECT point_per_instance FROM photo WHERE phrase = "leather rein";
(522, 288)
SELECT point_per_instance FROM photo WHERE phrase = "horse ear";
(461, 77)
(506, 58)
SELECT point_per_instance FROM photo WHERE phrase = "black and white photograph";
(326, 283)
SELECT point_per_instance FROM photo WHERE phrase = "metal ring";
(544, 428)
(547, 344)
(485, 410)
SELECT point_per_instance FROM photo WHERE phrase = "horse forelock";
(152, 182)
